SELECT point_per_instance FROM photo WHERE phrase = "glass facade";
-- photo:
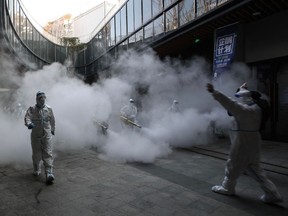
(136, 22)
(26, 40)
(147, 10)
(144, 21)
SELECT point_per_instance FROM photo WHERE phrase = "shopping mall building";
(254, 32)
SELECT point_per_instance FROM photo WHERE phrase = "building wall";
(85, 24)
(267, 38)
(265, 48)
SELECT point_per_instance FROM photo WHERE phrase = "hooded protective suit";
(174, 107)
(129, 111)
(245, 145)
(19, 112)
(40, 119)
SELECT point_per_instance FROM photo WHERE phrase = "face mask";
(40, 101)
(244, 96)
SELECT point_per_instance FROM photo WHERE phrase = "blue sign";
(225, 42)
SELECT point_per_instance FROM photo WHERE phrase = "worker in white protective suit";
(245, 144)
(19, 111)
(128, 114)
(40, 119)
(174, 108)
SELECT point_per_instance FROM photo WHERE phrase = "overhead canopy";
(4, 90)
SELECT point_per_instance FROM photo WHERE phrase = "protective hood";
(40, 99)
(244, 94)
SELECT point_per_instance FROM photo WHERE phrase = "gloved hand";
(210, 87)
(53, 133)
(30, 126)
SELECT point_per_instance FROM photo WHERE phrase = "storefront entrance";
(272, 79)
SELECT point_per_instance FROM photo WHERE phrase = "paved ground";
(177, 185)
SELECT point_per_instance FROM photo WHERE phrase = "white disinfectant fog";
(153, 83)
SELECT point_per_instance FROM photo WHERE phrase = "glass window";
(99, 44)
(157, 7)
(29, 34)
(16, 42)
(131, 40)
(158, 26)
(212, 4)
(147, 10)
(201, 7)
(89, 52)
(110, 28)
(8, 28)
(43, 47)
(37, 40)
(17, 18)
(221, 1)
(23, 26)
(16, 14)
(172, 19)
(130, 16)
(123, 22)
(11, 9)
(122, 47)
(50, 49)
(168, 3)
(187, 11)
(148, 32)
(111, 53)
(81, 57)
(139, 36)
(138, 13)
(102, 39)
(118, 27)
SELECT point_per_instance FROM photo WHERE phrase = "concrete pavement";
(177, 185)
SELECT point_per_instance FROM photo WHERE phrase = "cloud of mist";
(153, 83)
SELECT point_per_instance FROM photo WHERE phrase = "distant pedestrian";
(174, 108)
(40, 119)
(19, 112)
(245, 144)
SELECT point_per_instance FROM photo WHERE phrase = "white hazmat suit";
(174, 108)
(40, 119)
(19, 112)
(245, 145)
(130, 112)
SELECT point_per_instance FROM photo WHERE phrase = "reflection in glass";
(123, 22)
(133, 15)
(186, 11)
(158, 26)
(203, 6)
(110, 27)
(172, 19)
(131, 41)
(147, 10)
(118, 27)
(157, 7)
(148, 32)
(168, 2)
(138, 13)
(130, 16)
(139, 38)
